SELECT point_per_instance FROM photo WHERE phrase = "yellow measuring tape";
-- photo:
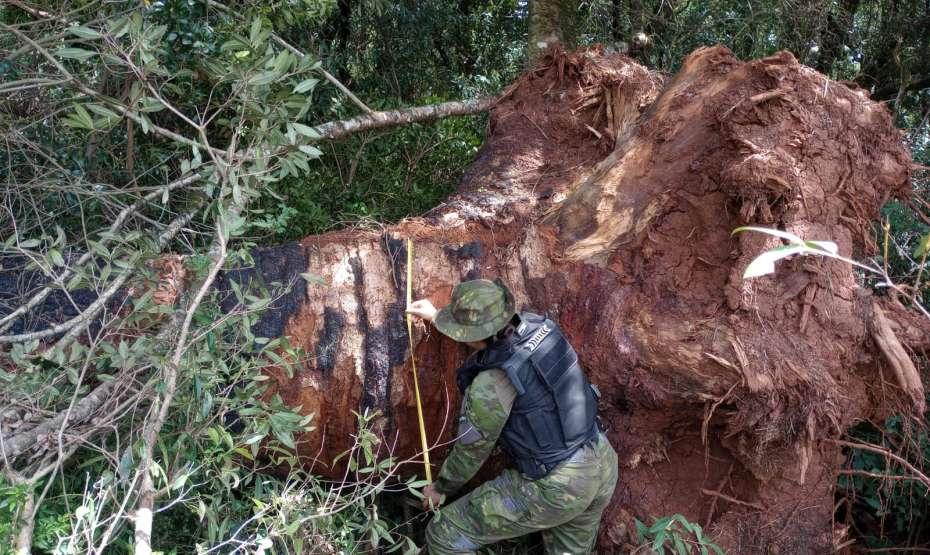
(413, 363)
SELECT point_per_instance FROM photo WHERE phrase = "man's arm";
(487, 405)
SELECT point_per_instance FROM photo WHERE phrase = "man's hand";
(423, 309)
(432, 498)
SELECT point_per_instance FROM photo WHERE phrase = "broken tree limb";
(17, 444)
(7, 320)
(159, 411)
(418, 114)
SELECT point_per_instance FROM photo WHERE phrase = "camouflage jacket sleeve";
(485, 410)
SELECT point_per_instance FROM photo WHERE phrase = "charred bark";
(607, 199)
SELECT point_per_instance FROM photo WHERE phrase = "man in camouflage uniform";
(524, 387)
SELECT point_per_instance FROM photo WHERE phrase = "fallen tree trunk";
(607, 198)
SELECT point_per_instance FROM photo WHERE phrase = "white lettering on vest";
(537, 338)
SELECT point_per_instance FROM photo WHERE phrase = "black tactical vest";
(555, 411)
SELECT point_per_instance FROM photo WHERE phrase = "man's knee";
(444, 538)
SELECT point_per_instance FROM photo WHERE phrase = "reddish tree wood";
(624, 237)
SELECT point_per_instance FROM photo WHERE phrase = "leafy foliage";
(892, 511)
(675, 534)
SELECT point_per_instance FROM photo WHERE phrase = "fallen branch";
(22, 442)
(35, 12)
(880, 476)
(26, 523)
(379, 120)
(144, 509)
(7, 321)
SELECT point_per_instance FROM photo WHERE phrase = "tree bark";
(378, 120)
(607, 199)
(551, 22)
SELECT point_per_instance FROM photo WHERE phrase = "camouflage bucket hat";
(479, 309)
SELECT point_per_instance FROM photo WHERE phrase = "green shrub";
(675, 534)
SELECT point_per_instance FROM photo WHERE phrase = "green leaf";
(254, 439)
(149, 104)
(254, 30)
(84, 32)
(118, 27)
(658, 544)
(282, 63)
(55, 256)
(83, 117)
(660, 524)
(75, 53)
(641, 530)
(179, 482)
(244, 453)
(145, 123)
(923, 246)
(305, 85)
(263, 78)
(103, 111)
(310, 151)
(305, 130)
(287, 438)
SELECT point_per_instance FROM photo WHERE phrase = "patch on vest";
(537, 338)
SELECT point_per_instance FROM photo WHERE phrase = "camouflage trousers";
(566, 506)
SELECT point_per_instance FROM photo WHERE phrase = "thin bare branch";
(144, 509)
(7, 321)
(393, 118)
(918, 475)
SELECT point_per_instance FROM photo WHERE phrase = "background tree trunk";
(836, 35)
(607, 199)
(551, 22)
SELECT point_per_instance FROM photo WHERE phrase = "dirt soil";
(606, 196)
